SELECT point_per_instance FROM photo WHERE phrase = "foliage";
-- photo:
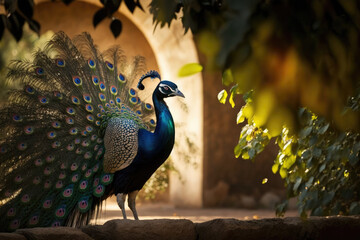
(292, 53)
(20, 12)
(17, 14)
(320, 164)
(195, 13)
(284, 56)
(321, 167)
(159, 181)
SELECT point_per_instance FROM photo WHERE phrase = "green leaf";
(313, 140)
(297, 184)
(355, 208)
(281, 208)
(318, 212)
(305, 154)
(317, 152)
(222, 96)
(324, 129)
(287, 148)
(353, 159)
(305, 132)
(231, 99)
(239, 117)
(303, 214)
(227, 77)
(289, 161)
(190, 69)
(309, 182)
(251, 153)
(248, 96)
(237, 150)
(328, 196)
(283, 172)
(322, 167)
(275, 168)
(245, 155)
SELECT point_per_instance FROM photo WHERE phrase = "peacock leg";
(131, 202)
(120, 198)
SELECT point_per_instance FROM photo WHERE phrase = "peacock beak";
(178, 93)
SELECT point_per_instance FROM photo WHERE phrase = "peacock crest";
(52, 131)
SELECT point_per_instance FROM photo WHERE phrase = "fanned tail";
(51, 132)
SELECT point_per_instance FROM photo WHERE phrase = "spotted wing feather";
(121, 144)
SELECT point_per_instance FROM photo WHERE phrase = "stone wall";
(276, 228)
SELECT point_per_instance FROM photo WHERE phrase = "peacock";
(77, 132)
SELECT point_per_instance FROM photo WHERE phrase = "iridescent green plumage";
(52, 132)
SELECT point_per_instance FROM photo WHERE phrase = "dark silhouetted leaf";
(26, 7)
(35, 26)
(111, 6)
(116, 27)
(67, 2)
(2, 24)
(10, 5)
(139, 5)
(16, 23)
(130, 5)
(99, 16)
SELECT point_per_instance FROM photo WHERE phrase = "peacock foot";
(121, 197)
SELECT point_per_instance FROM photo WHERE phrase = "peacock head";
(164, 89)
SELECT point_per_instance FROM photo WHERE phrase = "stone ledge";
(271, 228)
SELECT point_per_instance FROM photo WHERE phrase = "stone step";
(337, 227)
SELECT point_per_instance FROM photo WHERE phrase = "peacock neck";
(165, 130)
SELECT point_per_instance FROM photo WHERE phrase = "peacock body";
(78, 133)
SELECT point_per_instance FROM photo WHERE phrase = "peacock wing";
(121, 143)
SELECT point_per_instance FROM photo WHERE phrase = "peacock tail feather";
(52, 131)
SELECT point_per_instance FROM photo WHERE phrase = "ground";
(166, 211)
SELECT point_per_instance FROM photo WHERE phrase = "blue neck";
(165, 130)
(157, 146)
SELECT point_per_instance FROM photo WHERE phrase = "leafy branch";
(17, 13)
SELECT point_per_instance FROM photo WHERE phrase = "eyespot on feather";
(91, 64)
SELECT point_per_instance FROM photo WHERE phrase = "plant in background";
(292, 53)
(158, 182)
(319, 164)
(17, 13)
(283, 56)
